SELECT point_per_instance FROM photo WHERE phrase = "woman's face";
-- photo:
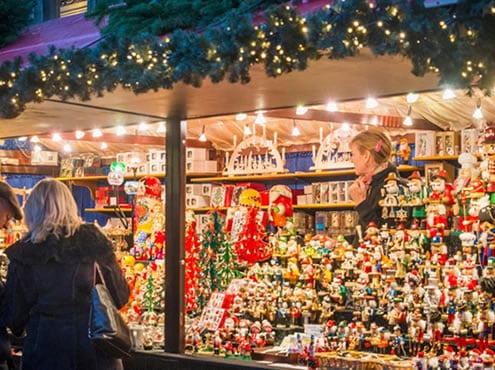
(362, 163)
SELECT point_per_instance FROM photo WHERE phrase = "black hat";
(7, 194)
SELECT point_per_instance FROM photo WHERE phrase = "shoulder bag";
(107, 329)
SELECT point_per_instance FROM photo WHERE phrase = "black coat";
(48, 295)
(369, 209)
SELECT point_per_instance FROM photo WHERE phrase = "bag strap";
(100, 274)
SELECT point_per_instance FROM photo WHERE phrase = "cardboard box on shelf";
(201, 166)
(197, 201)
(200, 154)
(44, 158)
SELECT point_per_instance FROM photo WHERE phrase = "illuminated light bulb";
(371, 103)
(97, 133)
(332, 106)
(143, 126)
(103, 146)
(202, 137)
(120, 130)
(408, 120)
(448, 94)
(247, 130)
(260, 119)
(240, 116)
(478, 114)
(295, 129)
(67, 148)
(34, 139)
(161, 128)
(301, 110)
(79, 134)
(22, 138)
(56, 137)
(412, 98)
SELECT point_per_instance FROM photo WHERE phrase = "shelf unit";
(111, 211)
(291, 176)
(91, 182)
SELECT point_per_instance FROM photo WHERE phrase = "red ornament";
(251, 245)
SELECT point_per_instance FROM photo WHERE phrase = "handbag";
(107, 329)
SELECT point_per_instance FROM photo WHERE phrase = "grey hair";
(51, 210)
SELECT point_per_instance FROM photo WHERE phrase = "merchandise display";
(266, 280)
(409, 292)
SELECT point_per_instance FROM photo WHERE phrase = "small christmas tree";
(228, 265)
(212, 241)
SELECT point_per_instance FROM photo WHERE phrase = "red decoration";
(250, 245)
(192, 266)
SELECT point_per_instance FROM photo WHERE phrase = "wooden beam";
(128, 139)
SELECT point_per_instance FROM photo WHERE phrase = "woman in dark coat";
(371, 151)
(49, 280)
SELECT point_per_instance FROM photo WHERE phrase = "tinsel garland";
(455, 42)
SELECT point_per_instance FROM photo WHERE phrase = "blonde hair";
(375, 141)
(51, 210)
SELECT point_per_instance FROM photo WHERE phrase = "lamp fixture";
(408, 120)
(34, 139)
(56, 137)
(332, 107)
(67, 148)
(448, 94)
(97, 133)
(260, 118)
(202, 137)
(161, 128)
(301, 110)
(240, 116)
(412, 98)
(371, 103)
(79, 134)
(295, 129)
(247, 130)
(143, 126)
(103, 146)
(120, 130)
(478, 114)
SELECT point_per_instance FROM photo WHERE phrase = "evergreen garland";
(454, 42)
(15, 16)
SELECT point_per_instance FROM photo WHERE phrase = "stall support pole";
(175, 185)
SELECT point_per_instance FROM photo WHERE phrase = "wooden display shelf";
(324, 206)
(436, 158)
(295, 206)
(292, 175)
(30, 169)
(127, 210)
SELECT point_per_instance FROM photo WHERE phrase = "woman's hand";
(358, 190)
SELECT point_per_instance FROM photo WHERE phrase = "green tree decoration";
(455, 42)
(228, 266)
(212, 242)
(148, 296)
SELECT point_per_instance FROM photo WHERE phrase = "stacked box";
(44, 158)
(198, 195)
(201, 160)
